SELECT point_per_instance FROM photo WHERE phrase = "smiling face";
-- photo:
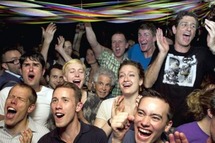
(17, 106)
(64, 106)
(75, 73)
(32, 72)
(119, 45)
(103, 86)
(146, 40)
(55, 78)
(184, 33)
(129, 80)
(151, 120)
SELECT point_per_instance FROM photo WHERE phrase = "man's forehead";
(191, 19)
(21, 89)
(153, 100)
(30, 60)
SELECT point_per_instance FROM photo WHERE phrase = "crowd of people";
(158, 90)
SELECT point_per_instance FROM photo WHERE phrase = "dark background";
(30, 35)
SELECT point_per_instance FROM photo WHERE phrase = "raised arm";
(61, 51)
(153, 70)
(48, 35)
(91, 37)
(79, 32)
(210, 27)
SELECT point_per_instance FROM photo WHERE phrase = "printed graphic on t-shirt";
(180, 70)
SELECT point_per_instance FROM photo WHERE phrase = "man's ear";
(127, 45)
(154, 38)
(4, 65)
(174, 29)
(31, 108)
(79, 106)
(168, 126)
(47, 78)
(209, 113)
(44, 71)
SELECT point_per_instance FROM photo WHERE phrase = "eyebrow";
(154, 114)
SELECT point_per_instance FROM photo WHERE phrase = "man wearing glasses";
(10, 63)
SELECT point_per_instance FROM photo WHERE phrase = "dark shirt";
(8, 80)
(180, 74)
(87, 134)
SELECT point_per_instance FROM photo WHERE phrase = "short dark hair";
(181, 14)
(34, 56)
(77, 90)
(55, 66)
(148, 26)
(8, 48)
(154, 94)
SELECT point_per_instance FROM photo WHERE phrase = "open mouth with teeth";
(143, 44)
(127, 84)
(59, 115)
(143, 134)
(77, 82)
(11, 112)
(186, 36)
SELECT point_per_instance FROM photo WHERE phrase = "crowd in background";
(154, 84)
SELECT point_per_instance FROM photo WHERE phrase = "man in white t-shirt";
(32, 70)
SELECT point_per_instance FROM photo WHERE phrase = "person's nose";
(31, 68)
(58, 105)
(77, 74)
(14, 100)
(145, 121)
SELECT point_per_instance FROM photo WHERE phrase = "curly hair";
(199, 100)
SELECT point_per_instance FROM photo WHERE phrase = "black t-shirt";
(180, 74)
(87, 134)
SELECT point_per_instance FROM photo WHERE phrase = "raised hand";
(177, 137)
(162, 42)
(59, 46)
(120, 121)
(49, 32)
(210, 27)
(26, 136)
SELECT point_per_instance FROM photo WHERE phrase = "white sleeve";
(3, 96)
(104, 111)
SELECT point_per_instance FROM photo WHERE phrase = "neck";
(130, 103)
(181, 49)
(69, 133)
(204, 124)
(37, 88)
(149, 53)
(18, 128)
(119, 59)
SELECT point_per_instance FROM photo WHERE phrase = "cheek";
(108, 89)
(82, 76)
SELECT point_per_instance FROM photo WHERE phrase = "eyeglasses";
(15, 62)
